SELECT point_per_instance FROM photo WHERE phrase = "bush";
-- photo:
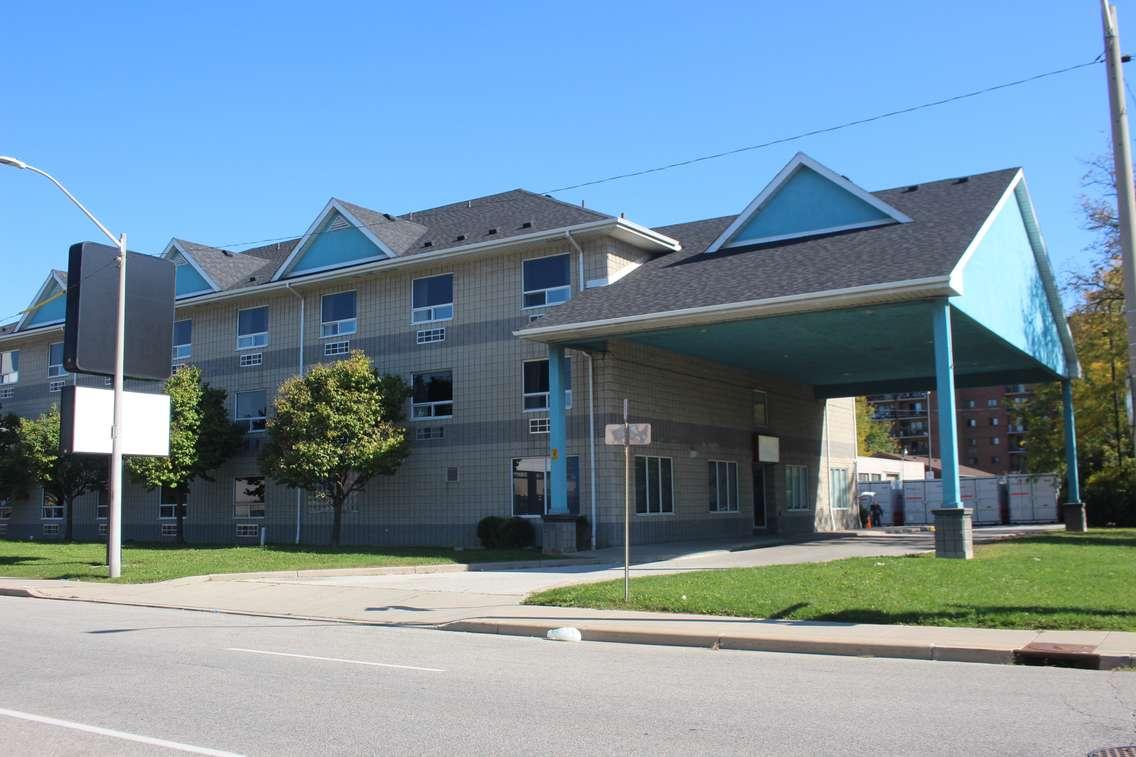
(1110, 495)
(505, 533)
(583, 534)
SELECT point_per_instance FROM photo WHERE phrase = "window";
(336, 349)
(55, 360)
(167, 505)
(183, 340)
(971, 442)
(530, 474)
(252, 410)
(971, 423)
(337, 314)
(432, 299)
(452, 476)
(991, 403)
(995, 441)
(723, 480)
(433, 395)
(7, 393)
(9, 366)
(994, 421)
(52, 508)
(102, 505)
(973, 461)
(547, 281)
(654, 485)
(538, 426)
(535, 393)
(5, 510)
(839, 495)
(56, 386)
(252, 359)
(995, 460)
(252, 328)
(248, 497)
(51, 529)
(760, 408)
(168, 529)
(427, 433)
(796, 487)
(247, 530)
(970, 404)
(429, 336)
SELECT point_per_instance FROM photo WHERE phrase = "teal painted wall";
(53, 312)
(1004, 292)
(807, 202)
(332, 248)
(188, 281)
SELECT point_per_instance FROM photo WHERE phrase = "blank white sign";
(768, 449)
(145, 420)
(640, 433)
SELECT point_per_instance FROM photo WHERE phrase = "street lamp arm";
(114, 240)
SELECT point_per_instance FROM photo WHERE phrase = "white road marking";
(335, 659)
(116, 734)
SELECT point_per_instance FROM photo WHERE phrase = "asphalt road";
(116, 680)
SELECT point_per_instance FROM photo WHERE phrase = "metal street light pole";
(114, 520)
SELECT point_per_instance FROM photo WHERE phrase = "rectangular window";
(971, 423)
(52, 508)
(252, 359)
(995, 441)
(102, 505)
(547, 281)
(433, 395)
(538, 426)
(337, 314)
(248, 497)
(723, 481)
(9, 366)
(168, 529)
(535, 394)
(654, 485)
(841, 498)
(760, 409)
(183, 340)
(994, 421)
(55, 360)
(252, 328)
(796, 487)
(530, 475)
(247, 530)
(991, 403)
(432, 299)
(251, 410)
(427, 433)
(167, 504)
(430, 336)
(7, 393)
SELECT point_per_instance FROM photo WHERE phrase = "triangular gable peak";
(49, 306)
(806, 199)
(190, 278)
(337, 238)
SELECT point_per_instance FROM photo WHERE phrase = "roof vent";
(493, 230)
(459, 238)
(427, 244)
(226, 253)
(912, 188)
(962, 180)
(526, 225)
(388, 216)
(252, 278)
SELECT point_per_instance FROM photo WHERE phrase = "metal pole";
(1122, 164)
(626, 505)
(114, 520)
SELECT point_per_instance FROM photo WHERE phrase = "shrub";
(505, 533)
(1110, 495)
(583, 534)
(489, 531)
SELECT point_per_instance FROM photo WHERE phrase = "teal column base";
(1075, 518)
(954, 533)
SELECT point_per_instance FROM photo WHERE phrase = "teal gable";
(1004, 290)
(54, 311)
(337, 243)
(807, 203)
(188, 281)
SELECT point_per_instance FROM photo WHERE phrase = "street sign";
(639, 433)
(86, 415)
(92, 293)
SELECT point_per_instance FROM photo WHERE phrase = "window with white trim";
(167, 503)
(55, 360)
(654, 485)
(248, 497)
(9, 366)
(252, 328)
(102, 505)
(538, 425)
(51, 507)
(7, 393)
(56, 386)
(336, 349)
(430, 336)
(168, 529)
(251, 410)
(247, 530)
(433, 395)
(535, 390)
(252, 359)
(337, 314)
(839, 493)
(760, 408)
(796, 487)
(531, 485)
(428, 433)
(723, 482)
(547, 281)
(182, 340)
(432, 299)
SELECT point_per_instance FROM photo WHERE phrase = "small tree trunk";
(68, 528)
(179, 499)
(336, 521)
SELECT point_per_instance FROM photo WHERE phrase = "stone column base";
(1075, 519)
(558, 534)
(954, 533)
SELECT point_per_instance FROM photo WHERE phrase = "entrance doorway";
(759, 495)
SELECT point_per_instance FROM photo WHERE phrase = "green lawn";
(1055, 580)
(144, 563)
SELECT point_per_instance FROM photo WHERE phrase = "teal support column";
(945, 393)
(1073, 478)
(557, 429)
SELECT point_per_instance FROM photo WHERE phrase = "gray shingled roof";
(232, 270)
(946, 216)
(396, 233)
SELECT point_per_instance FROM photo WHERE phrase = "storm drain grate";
(1114, 751)
(1059, 655)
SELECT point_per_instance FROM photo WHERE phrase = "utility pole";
(1122, 160)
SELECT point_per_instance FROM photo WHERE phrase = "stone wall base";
(954, 533)
(558, 535)
(1075, 519)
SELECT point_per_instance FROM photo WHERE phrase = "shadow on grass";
(1096, 540)
(21, 560)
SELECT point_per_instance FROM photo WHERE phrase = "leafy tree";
(64, 476)
(872, 435)
(202, 437)
(335, 429)
(15, 479)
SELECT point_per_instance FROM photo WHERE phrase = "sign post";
(627, 434)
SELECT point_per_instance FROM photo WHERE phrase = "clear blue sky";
(233, 122)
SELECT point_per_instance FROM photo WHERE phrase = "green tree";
(335, 429)
(15, 480)
(872, 435)
(202, 438)
(64, 476)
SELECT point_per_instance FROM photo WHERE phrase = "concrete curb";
(386, 570)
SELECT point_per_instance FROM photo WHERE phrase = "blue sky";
(234, 122)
